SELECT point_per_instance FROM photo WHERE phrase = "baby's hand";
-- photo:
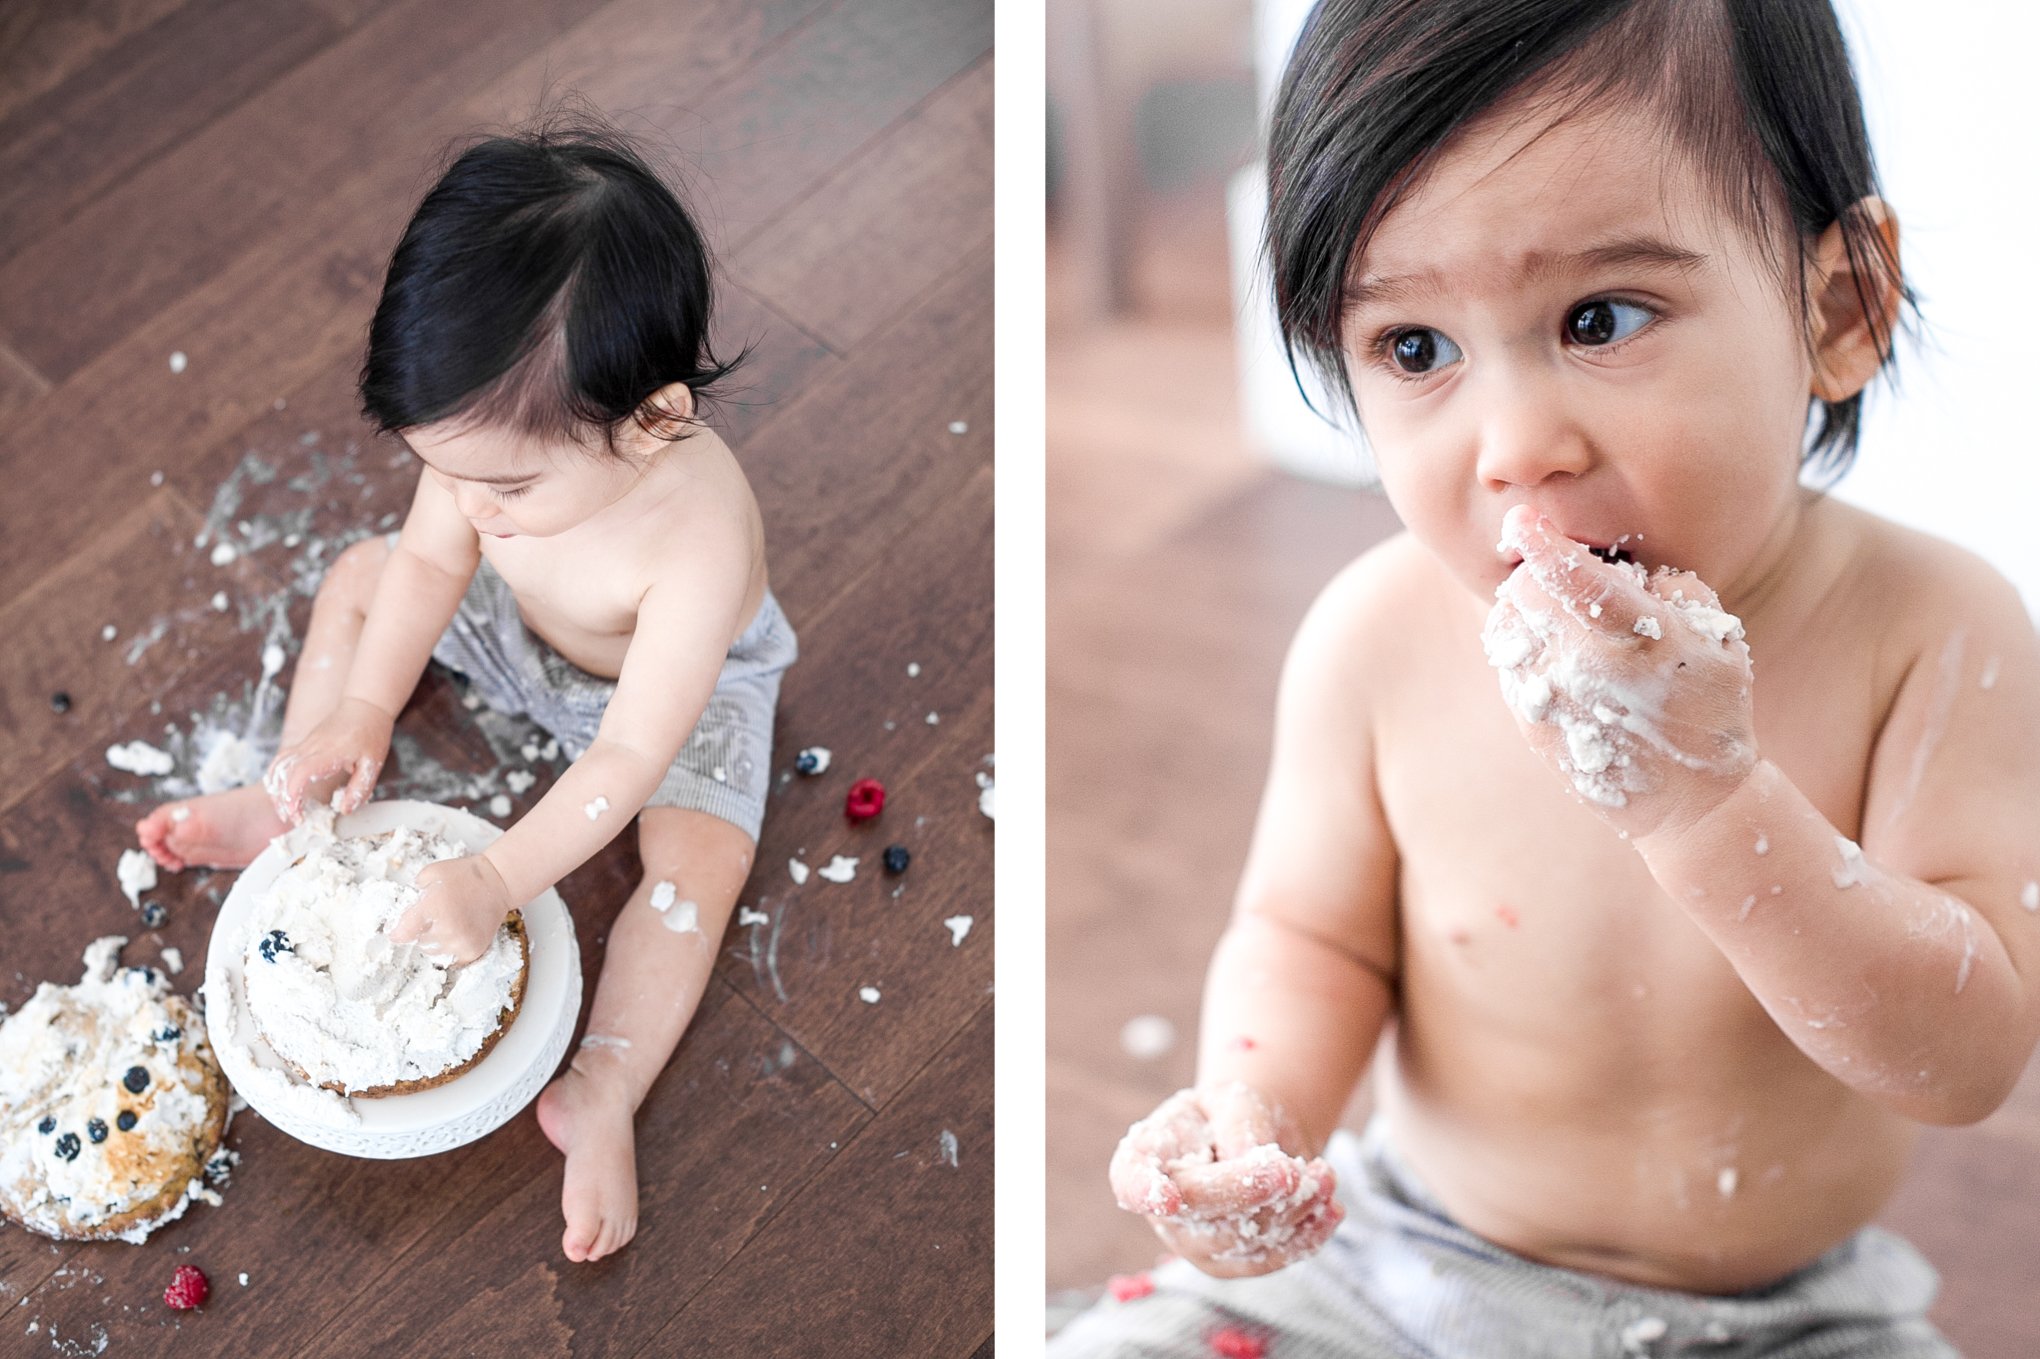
(1636, 689)
(461, 903)
(349, 744)
(1209, 1171)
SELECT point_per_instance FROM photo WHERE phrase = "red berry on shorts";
(1127, 1287)
(1230, 1342)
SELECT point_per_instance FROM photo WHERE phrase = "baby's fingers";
(1240, 1120)
(1140, 1185)
(360, 783)
(1239, 1185)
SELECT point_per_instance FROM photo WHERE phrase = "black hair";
(1758, 93)
(547, 284)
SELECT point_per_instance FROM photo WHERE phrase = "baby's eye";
(1604, 321)
(515, 491)
(1421, 351)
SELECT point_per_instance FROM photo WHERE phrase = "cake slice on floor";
(112, 1106)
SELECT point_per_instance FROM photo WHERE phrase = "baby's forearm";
(1293, 1016)
(1900, 990)
(594, 799)
(414, 601)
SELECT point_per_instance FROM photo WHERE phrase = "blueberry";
(60, 701)
(148, 974)
(808, 762)
(169, 1033)
(68, 1146)
(153, 915)
(96, 1130)
(136, 1080)
(897, 858)
(275, 942)
(126, 1121)
(47, 1126)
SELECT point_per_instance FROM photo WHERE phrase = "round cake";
(112, 1107)
(347, 1009)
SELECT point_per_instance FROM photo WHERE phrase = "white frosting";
(137, 874)
(959, 926)
(597, 807)
(987, 796)
(821, 757)
(868, 994)
(798, 870)
(63, 1057)
(139, 757)
(342, 1002)
(840, 869)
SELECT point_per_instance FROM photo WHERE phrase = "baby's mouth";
(1613, 555)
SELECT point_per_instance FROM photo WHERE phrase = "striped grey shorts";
(725, 766)
(1401, 1280)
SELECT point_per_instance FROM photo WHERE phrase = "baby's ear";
(1853, 302)
(670, 409)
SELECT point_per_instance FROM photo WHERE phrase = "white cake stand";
(478, 1101)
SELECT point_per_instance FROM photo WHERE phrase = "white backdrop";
(1948, 92)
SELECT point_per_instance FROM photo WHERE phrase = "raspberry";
(866, 800)
(1231, 1342)
(1127, 1287)
(188, 1289)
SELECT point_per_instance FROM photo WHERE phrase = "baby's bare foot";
(224, 830)
(590, 1120)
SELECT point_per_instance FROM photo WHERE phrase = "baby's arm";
(685, 621)
(1899, 966)
(416, 596)
(1908, 969)
(1301, 982)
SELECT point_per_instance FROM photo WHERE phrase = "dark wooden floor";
(1179, 567)
(225, 179)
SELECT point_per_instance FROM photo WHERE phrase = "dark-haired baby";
(582, 549)
(1671, 951)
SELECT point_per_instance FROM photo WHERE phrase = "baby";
(1671, 957)
(541, 347)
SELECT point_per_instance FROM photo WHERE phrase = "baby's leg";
(653, 977)
(226, 830)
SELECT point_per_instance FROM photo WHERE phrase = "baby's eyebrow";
(1634, 252)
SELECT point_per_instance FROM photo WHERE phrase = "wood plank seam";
(858, 152)
(35, 377)
(956, 1035)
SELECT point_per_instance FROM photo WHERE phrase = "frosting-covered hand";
(461, 904)
(1209, 1171)
(349, 745)
(1635, 688)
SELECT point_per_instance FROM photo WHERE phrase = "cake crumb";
(958, 926)
(840, 869)
(868, 994)
(747, 916)
(798, 870)
(596, 808)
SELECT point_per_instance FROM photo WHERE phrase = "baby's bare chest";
(584, 603)
(1517, 892)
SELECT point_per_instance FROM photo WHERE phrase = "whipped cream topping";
(332, 993)
(73, 1060)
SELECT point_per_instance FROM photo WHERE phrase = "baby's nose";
(1527, 435)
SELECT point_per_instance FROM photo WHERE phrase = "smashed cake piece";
(112, 1106)
(348, 1009)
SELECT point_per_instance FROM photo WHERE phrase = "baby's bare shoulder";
(1923, 587)
(1369, 617)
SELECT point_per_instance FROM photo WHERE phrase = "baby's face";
(1568, 321)
(510, 487)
